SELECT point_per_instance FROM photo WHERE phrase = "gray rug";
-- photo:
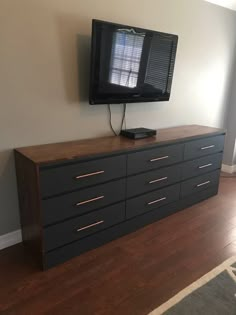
(213, 294)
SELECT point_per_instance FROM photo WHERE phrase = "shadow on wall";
(74, 46)
(8, 194)
(83, 61)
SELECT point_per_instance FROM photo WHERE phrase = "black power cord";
(122, 121)
(123, 117)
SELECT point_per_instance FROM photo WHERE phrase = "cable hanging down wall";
(123, 121)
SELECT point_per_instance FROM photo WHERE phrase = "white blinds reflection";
(125, 58)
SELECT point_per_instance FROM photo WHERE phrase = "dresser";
(75, 196)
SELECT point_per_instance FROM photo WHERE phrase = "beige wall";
(230, 124)
(43, 93)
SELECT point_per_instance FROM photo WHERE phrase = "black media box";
(138, 133)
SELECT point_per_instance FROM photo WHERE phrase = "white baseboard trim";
(228, 168)
(10, 239)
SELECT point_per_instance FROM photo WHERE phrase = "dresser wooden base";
(78, 195)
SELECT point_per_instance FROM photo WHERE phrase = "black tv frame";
(138, 99)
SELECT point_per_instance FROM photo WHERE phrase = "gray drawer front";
(80, 175)
(76, 248)
(153, 180)
(200, 183)
(78, 228)
(155, 158)
(151, 201)
(198, 148)
(201, 166)
(77, 203)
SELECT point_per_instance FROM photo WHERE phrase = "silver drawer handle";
(208, 147)
(204, 166)
(160, 158)
(91, 225)
(203, 184)
(89, 174)
(157, 180)
(156, 201)
(90, 200)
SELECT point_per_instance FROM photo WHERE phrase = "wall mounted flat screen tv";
(130, 64)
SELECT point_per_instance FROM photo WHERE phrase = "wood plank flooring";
(129, 276)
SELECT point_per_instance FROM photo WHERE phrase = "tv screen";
(130, 64)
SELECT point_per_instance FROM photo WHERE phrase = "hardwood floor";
(132, 275)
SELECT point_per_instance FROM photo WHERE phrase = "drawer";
(200, 183)
(201, 166)
(77, 203)
(151, 201)
(155, 158)
(81, 175)
(203, 147)
(77, 228)
(153, 180)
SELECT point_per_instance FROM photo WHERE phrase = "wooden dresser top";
(55, 152)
